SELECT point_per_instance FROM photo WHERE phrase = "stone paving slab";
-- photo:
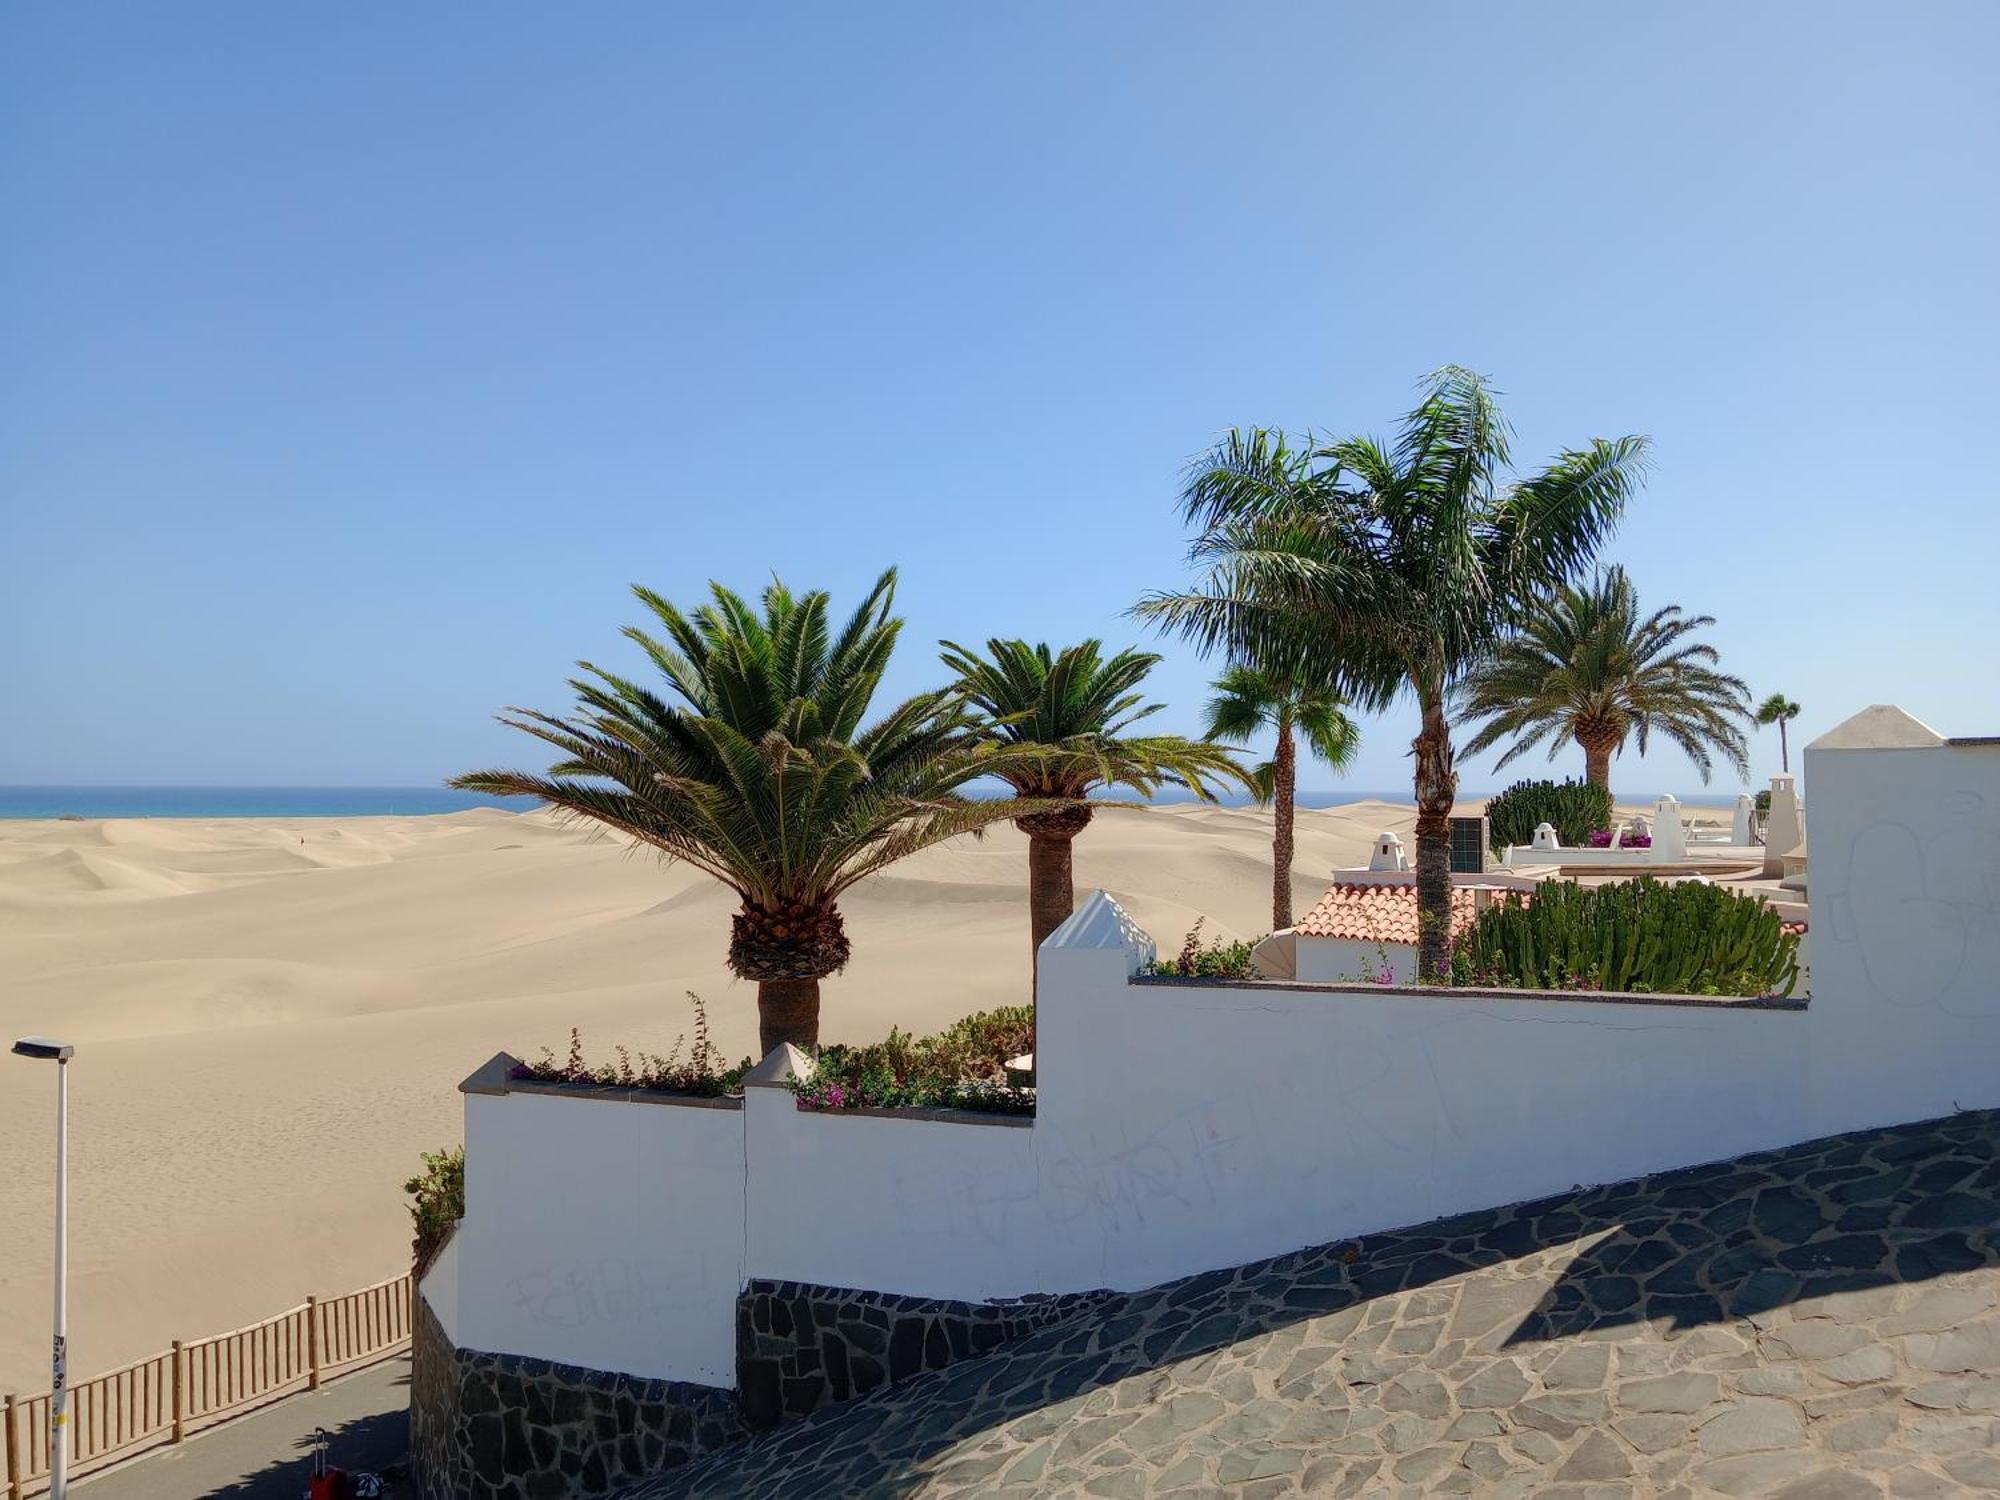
(1819, 1323)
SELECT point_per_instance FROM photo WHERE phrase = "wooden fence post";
(180, 1393)
(312, 1343)
(13, 1453)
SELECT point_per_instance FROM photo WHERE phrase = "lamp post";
(59, 1053)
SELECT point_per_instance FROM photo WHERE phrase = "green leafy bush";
(1575, 809)
(1633, 935)
(1219, 960)
(701, 1073)
(961, 1067)
(439, 1194)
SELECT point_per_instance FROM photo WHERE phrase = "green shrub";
(1763, 801)
(1576, 809)
(439, 1191)
(1632, 935)
(961, 1067)
(1219, 960)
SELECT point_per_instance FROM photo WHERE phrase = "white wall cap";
(1100, 923)
(492, 1076)
(785, 1065)
(1881, 726)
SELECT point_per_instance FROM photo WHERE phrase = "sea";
(404, 801)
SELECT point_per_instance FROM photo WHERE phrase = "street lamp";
(59, 1053)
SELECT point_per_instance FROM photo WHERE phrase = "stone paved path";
(1816, 1324)
(268, 1454)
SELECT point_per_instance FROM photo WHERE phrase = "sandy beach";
(272, 1015)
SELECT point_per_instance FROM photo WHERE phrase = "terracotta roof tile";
(1377, 913)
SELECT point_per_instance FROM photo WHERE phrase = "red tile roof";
(1377, 913)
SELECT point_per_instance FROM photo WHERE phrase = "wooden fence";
(163, 1398)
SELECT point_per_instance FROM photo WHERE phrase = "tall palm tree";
(763, 775)
(1064, 717)
(1388, 569)
(1780, 710)
(1248, 702)
(1590, 670)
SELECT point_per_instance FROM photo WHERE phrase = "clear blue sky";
(354, 359)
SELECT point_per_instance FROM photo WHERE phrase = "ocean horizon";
(408, 801)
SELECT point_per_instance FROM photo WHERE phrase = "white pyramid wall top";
(1882, 726)
(1100, 923)
(781, 1066)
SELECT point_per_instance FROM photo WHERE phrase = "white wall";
(1186, 1127)
(1349, 960)
(603, 1234)
(1904, 888)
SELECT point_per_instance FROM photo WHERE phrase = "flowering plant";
(701, 1073)
(962, 1067)
(1600, 838)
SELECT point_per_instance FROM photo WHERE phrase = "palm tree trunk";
(1437, 789)
(1284, 791)
(1597, 762)
(1784, 750)
(787, 1011)
(1051, 890)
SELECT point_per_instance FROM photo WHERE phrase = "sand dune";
(272, 1016)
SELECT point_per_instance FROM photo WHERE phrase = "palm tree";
(1064, 718)
(763, 775)
(1390, 569)
(1590, 670)
(1780, 710)
(1246, 703)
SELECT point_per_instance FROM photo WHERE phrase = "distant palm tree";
(763, 775)
(1590, 670)
(1246, 703)
(1065, 716)
(1390, 569)
(1780, 710)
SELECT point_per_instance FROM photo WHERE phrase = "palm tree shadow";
(1874, 1209)
(1658, 1256)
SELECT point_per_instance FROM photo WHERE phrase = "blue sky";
(354, 360)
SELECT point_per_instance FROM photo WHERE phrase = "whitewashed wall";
(1904, 887)
(1186, 1127)
(608, 1235)
(1350, 961)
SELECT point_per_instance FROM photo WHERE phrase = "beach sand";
(272, 1015)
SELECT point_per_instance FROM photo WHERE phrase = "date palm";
(1388, 569)
(1246, 703)
(1780, 710)
(1065, 718)
(1590, 670)
(763, 774)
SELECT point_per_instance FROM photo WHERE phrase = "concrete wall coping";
(1468, 992)
(935, 1116)
(495, 1077)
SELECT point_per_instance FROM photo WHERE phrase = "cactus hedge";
(1640, 935)
(1575, 809)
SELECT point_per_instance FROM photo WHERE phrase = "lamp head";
(45, 1047)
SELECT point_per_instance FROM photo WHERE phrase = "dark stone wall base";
(500, 1427)
(800, 1347)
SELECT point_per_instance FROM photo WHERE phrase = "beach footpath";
(267, 1455)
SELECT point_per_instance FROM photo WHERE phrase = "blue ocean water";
(239, 801)
(371, 801)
